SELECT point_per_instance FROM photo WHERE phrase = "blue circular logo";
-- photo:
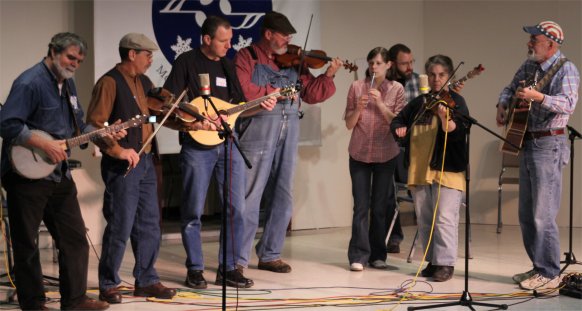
(177, 23)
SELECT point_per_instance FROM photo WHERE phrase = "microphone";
(204, 85)
(423, 84)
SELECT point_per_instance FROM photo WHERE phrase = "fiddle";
(314, 59)
(160, 102)
(445, 98)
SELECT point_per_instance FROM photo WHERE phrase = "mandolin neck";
(251, 104)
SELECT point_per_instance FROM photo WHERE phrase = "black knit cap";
(278, 22)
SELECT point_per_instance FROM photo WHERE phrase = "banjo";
(33, 163)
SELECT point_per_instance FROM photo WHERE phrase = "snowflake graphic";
(181, 46)
(242, 43)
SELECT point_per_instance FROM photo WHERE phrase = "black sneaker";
(195, 279)
(234, 278)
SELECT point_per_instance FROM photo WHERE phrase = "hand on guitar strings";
(529, 95)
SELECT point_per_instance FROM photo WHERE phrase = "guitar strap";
(71, 108)
(550, 74)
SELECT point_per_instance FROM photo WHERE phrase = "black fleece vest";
(125, 107)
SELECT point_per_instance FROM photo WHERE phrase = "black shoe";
(443, 273)
(428, 271)
(393, 248)
(234, 278)
(195, 280)
(86, 303)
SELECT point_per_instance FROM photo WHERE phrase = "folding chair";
(508, 163)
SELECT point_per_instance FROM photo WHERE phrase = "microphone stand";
(570, 258)
(466, 299)
(226, 134)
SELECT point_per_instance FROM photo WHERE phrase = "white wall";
(487, 32)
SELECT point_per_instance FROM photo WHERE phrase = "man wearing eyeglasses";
(270, 138)
(130, 203)
(545, 148)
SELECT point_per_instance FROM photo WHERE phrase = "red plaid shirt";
(372, 141)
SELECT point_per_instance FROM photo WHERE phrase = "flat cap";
(138, 41)
(278, 22)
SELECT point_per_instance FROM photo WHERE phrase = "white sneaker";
(539, 282)
(520, 277)
(379, 264)
(356, 266)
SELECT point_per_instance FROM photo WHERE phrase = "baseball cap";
(549, 29)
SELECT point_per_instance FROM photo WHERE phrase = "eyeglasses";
(149, 54)
(534, 40)
(284, 36)
(410, 63)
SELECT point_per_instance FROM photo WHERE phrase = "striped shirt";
(372, 141)
(561, 94)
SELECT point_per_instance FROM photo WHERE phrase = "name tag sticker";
(220, 81)
(74, 102)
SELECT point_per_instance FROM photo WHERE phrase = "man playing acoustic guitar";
(544, 151)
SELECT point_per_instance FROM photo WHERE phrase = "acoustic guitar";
(33, 163)
(517, 116)
(230, 111)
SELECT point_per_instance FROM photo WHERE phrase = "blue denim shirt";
(35, 102)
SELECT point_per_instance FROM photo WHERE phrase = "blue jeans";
(373, 191)
(269, 139)
(445, 237)
(199, 165)
(130, 207)
(540, 190)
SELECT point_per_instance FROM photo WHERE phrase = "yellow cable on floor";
(433, 216)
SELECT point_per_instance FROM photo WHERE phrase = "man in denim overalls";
(270, 138)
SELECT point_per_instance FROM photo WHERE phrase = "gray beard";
(63, 73)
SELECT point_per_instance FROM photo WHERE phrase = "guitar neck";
(85, 138)
(251, 104)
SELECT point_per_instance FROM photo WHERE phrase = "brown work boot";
(111, 295)
(443, 273)
(277, 265)
(156, 290)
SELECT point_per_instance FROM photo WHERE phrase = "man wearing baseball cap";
(130, 203)
(552, 99)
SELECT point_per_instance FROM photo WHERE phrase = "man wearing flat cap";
(130, 203)
(270, 138)
(544, 150)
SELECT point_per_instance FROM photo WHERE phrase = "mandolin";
(470, 75)
(230, 111)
